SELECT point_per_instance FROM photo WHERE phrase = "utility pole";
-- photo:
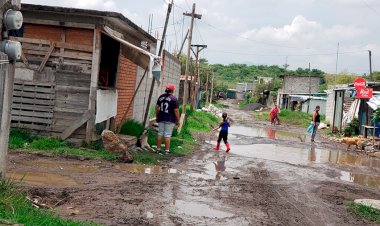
(308, 103)
(212, 88)
(12, 19)
(370, 63)
(159, 54)
(207, 87)
(196, 82)
(193, 15)
(183, 43)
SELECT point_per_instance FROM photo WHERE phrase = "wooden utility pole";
(206, 87)
(370, 64)
(183, 43)
(159, 54)
(6, 90)
(193, 15)
(196, 82)
(212, 89)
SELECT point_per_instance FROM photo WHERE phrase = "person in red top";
(274, 115)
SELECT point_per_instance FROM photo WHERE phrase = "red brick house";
(76, 77)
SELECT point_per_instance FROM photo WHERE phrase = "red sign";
(360, 83)
(364, 93)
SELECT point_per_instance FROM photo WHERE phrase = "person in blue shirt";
(223, 134)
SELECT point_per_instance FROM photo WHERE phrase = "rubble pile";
(213, 110)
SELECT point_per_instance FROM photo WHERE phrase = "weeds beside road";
(294, 118)
(15, 208)
(181, 144)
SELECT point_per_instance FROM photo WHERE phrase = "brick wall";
(301, 84)
(126, 87)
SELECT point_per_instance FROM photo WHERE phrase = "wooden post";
(147, 109)
(197, 77)
(7, 78)
(96, 53)
(206, 88)
(185, 90)
(212, 89)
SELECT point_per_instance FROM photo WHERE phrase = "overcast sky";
(264, 31)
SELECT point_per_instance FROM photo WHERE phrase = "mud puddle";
(308, 156)
(195, 209)
(363, 179)
(42, 179)
(145, 169)
(272, 133)
(64, 166)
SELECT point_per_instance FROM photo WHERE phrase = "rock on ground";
(113, 143)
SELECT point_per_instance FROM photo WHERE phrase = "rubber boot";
(228, 147)
(217, 147)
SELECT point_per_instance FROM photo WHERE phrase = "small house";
(83, 71)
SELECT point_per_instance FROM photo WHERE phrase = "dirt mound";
(253, 107)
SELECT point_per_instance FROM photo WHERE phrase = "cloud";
(304, 32)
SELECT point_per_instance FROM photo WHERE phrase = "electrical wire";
(284, 55)
(371, 8)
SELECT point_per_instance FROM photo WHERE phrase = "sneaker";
(167, 152)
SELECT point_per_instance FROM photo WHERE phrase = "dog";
(357, 141)
(142, 141)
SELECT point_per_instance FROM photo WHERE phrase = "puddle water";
(296, 155)
(367, 180)
(307, 156)
(138, 168)
(199, 210)
(42, 179)
(266, 133)
(67, 167)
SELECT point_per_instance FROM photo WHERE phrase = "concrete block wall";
(330, 106)
(301, 84)
(142, 95)
(170, 74)
(126, 86)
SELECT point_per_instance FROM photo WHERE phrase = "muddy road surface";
(272, 176)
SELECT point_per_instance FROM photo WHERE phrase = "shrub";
(132, 128)
(46, 144)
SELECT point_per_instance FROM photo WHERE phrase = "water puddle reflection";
(271, 133)
(138, 168)
(294, 155)
(363, 179)
(195, 209)
(65, 166)
(42, 179)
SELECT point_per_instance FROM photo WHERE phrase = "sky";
(263, 32)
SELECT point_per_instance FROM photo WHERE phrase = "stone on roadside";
(113, 143)
(369, 202)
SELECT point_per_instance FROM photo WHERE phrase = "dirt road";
(271, 177)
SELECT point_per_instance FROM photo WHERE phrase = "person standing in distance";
(316, 121)
(167, 115)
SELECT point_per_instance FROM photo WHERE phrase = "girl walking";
(223, 134)
(316, 122)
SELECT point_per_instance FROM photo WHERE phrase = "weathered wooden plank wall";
(64, 55)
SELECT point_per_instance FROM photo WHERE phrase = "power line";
(284, 55)
(371, 8)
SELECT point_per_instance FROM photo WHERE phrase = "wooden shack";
(78, 74)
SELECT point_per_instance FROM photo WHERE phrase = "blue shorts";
(165, 129)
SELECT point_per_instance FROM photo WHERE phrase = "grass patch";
(132, 128)
(220, 106)
(295, 118)
(364, 211)
(22, 139)
(16, 209)
(181, 144)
